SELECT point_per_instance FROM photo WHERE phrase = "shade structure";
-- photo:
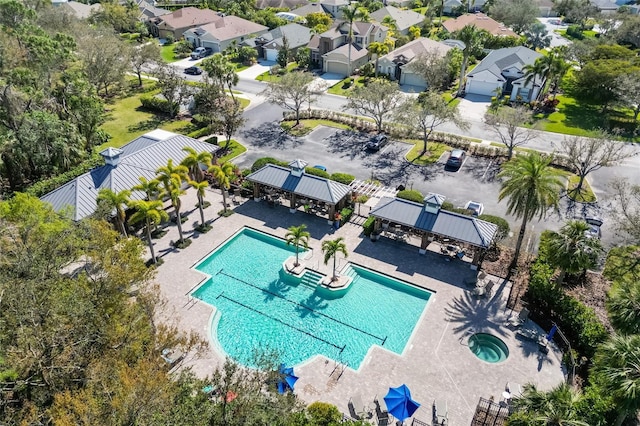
(399, 402)
(287, 379)
(552, 332)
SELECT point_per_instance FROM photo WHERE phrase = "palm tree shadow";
(275, 289)
(311, 306)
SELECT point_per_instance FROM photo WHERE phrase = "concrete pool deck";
(436, 364)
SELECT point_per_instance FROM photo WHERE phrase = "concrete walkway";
(255, 70)
(436, 362)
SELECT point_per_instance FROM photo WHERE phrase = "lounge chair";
(440, 413)
(484, 291)
(518, 321)
(359, 409)
(514, 389)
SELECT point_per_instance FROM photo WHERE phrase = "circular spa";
(488, 348)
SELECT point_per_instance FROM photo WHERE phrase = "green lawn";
(269, 78)
(580, 119)
(448, 96)
(339, 89)
(585, 195)
(436, 150)
(167, 53)
(586, 34)
(240, 66)
(235, 149)
(308, 125)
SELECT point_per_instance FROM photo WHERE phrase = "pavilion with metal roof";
(320, 195)
(430, 222)
(122, 170)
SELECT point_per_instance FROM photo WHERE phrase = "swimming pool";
(261, 308)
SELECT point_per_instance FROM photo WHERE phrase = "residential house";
(503, 69)
(404, 19)
(280, 4)
(481, 21)
(451, 6)
(396, 64)
(269, 44)
(81, 10)
(122, 170)
(546, 8)
(310, 8)
(218, 35)
(325, 47)
(148, 11)
(176, 23)
(334, 7)
(606, 7)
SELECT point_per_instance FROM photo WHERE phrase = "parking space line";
(486, 170)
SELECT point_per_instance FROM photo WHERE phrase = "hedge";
(261, 162)
(548, 303)
(343, 178)
(411, 195)
(345, 215)
(368, 225)
(154, 103)
(43, 187)
(317, 172)
(503, 225)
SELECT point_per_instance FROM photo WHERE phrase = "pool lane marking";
(383, 340)
(281, 322)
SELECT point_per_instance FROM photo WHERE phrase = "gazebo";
(316, 194)
(429, 221)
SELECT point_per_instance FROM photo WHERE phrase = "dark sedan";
(456, 158)
(193, 70)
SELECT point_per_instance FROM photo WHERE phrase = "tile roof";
(81, 10)
(141, 157)
(500, 59)
(289, 4)
(404, 18)
(309, 8)
(481, 21)
(462, 228)
(310, 186)
(416, 47)
(188, 17)
(230, 27)
(357, 51)
(297, 35)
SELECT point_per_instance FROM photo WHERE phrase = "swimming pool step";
(311, 278)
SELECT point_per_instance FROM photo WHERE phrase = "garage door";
(215, 47)
(271, 54)
(412, 80)
(477, 87)
(336, 68)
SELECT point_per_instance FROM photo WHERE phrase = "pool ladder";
(468, 333)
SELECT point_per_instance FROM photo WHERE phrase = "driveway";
(255, 70)
(326, 80)
(474, 107)
(186, 63)
(552, 25)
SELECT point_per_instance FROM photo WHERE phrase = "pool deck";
(436, 364)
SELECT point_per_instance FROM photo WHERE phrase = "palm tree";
(572, 250)
(351, 13)
(200, 192)
(531, 187)
(117, 201)
(540, 68)
(378, 49)
(151, 213)
(298, 236)
(169, 172)
(222, 173)
(331, 248)
(472, 37)
(618, 361)
(390, 23)
(557, 407)
(193, 160)
(174, 192)
(221, 69)
(623, 306)
(558, 68)
(150, 187)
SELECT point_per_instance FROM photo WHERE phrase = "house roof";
(357, 51)
(481, 21)
(289, 4)
(310, 186)
(309, 8)
(334, 2)
(188, 17)
(229, 27)
(148, 10)
(140, 157)
(404, 18)
(81, 10)
(605, 4)
(297, 35)
(462, 228)
(500, 59)
(416, 47)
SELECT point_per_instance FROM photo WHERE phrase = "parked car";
(320, 167)
(456, 158)
(201, 52)
(476, 207)
(594, 226)
(193, 70)
(377, 142)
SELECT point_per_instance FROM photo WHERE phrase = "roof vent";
(297, 167)
(111, 156)
(433, 202)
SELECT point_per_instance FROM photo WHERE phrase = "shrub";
(323, 413)
(169, 40)
(342, 178)
(43, 187)
(154, 103)
(261, 162)
(347, 83)
(199, 133)
(368, 225)
(213, 140)
(411, 195)
(575, 32)
(316, 172)
(345, 215)
(503, 225)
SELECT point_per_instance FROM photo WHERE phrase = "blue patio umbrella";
(399, 402)
(552, 332)
(287, 379)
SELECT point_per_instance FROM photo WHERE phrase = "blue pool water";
(262, 309)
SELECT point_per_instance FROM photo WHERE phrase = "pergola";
(432, 223)
(317, 194)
